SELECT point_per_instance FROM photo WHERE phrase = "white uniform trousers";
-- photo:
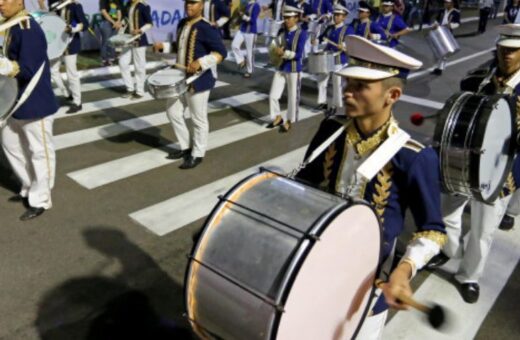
(29, 148)
(293, 94)
(473, 249)
(441, 65)
(138, 54)
(323, 80)
(198, 107)
(73, 79)
(249, 39)
(513, 208)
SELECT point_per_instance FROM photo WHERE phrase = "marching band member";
(511, 12)
(319, 10)
(336, 34)
(247, 33)
(76, 22)
(485, 218)
(216, 12)
(375, 79)
(139, 21)
(366, 28)
(392, 23)
(199, 48)
(291, 50)
(27, 136)
(450, 18)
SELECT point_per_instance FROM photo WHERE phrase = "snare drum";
(322, 62)
(474, 137)
(314, 27)
(54, 28)
(121, 40)
(272, 28)
(8, 96)
(167, 83)
(442, 42)
(277, 259)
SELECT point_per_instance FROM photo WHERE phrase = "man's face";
(193, 9)
(363, 14)
(290, 22)
(448, 5)
(8, 8)
(363, 98)
(339, 18)
(387, 9)
(508, 59)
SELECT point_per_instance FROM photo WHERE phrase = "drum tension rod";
(304, 234)
(252, 291)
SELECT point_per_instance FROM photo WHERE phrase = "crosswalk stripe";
(80, 137)
(174, 213)
(90, 107)
(109, 172)
(466, 319)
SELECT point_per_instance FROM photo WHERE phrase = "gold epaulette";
(414, 145)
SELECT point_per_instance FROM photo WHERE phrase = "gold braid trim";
(382, 186)
(364, 146)
(327, 166)
(432, 235)
(191, 49)
(517, 115)
(509, 185)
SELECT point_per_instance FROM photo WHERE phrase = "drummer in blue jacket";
(375, 79)
(291, 51)
(27, 135)
(217, 13)
(139, 21)
(335, 35)
(366, 28)
(246, 34)
(449, 18)
(392, 23)
(199, 49)
(76, 22)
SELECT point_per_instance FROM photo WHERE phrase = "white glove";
(6, 66)
(376, 36)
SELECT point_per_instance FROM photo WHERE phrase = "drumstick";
(334, 44)
(436, 315)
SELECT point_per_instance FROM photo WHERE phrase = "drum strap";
(26, 93)
(5, 26)
(486, 80)
(382, 155)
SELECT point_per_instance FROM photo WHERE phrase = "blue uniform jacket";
(337, 35)
(217, 10)
(410, 180)
(74, 15)
(391, 24)
(293, 41)
(252, 11)
(203, 40)
(321, 7)
(510, 14)
(363, 29)
(141, 16)
(453, 17)
(26, 45)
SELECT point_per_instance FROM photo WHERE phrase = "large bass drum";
(277, 259)
(475, 140)
(8, 96)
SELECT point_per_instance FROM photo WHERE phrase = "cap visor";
(359, 72)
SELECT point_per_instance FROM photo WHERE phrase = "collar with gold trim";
(364, 146)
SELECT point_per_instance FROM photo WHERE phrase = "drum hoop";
(298, 260)
(15, 99)
(479, 136)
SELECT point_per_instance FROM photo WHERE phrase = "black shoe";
(190, 162)
(437, 71)
(507, 223)
(276, 122)
(320, 107)
(31, 213)
(127, 95)
(285, 127)
(469, 291)
(16, 198)
(178, 154)
(74, 108)
(136, 96)
(69, 98)
(330, 112)
(437, 261)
